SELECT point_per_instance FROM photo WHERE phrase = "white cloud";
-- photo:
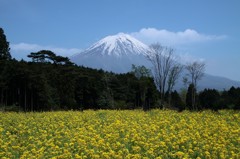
(21, 50)
(165, 37)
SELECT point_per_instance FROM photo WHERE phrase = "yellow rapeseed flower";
(120, 134)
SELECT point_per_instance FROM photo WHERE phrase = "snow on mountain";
(114, 53)
(118, 45)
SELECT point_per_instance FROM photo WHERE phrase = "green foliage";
(176, 101)
(48, 56)
(140, 71)
(4, 47)
(45, 84)
(189, 97)
(230, 99)
(209, 99)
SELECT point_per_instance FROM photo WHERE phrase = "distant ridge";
(217, 82)
(118, 52)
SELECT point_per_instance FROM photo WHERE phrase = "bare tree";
(195, 73)
(173, 77)
(162, 60)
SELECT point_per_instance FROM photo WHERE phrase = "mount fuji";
(117, 53)
(114, 53)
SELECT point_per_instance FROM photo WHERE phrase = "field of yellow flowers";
(120, 134)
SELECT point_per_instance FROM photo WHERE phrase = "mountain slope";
(114, 53)
(219, 83)
(211, 82)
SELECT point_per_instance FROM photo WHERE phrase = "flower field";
(120, 134)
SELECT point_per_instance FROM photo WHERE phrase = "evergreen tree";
(4, 57)
(4, 47)
(177, 101)
(233, 97)
(140, 71)
(189, 97)
(209, 99)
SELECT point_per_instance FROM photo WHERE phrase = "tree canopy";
(4, 47)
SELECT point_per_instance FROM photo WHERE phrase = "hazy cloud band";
(25, 48)
(189, 36)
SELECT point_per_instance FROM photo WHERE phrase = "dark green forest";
(51, 82)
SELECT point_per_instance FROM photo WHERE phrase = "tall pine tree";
(4, 56)
(189, 97)
(4, 47)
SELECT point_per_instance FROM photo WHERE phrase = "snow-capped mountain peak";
(120, 44)
(114, 53)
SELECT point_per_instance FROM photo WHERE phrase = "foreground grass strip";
(120, 134)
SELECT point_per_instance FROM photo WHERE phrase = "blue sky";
(206, 30)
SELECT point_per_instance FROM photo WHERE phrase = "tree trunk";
(169, 98)
(31, 100)
(6, 101)
(1, 96)
(193, 98)
(25, 99)
(19, 99)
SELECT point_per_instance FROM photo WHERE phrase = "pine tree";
(209, 99)
(4, 47)
(189, 98)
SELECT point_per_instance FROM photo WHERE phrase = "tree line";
(42, 86)
(52, 82)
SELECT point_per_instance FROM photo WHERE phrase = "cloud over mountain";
(166, 37)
